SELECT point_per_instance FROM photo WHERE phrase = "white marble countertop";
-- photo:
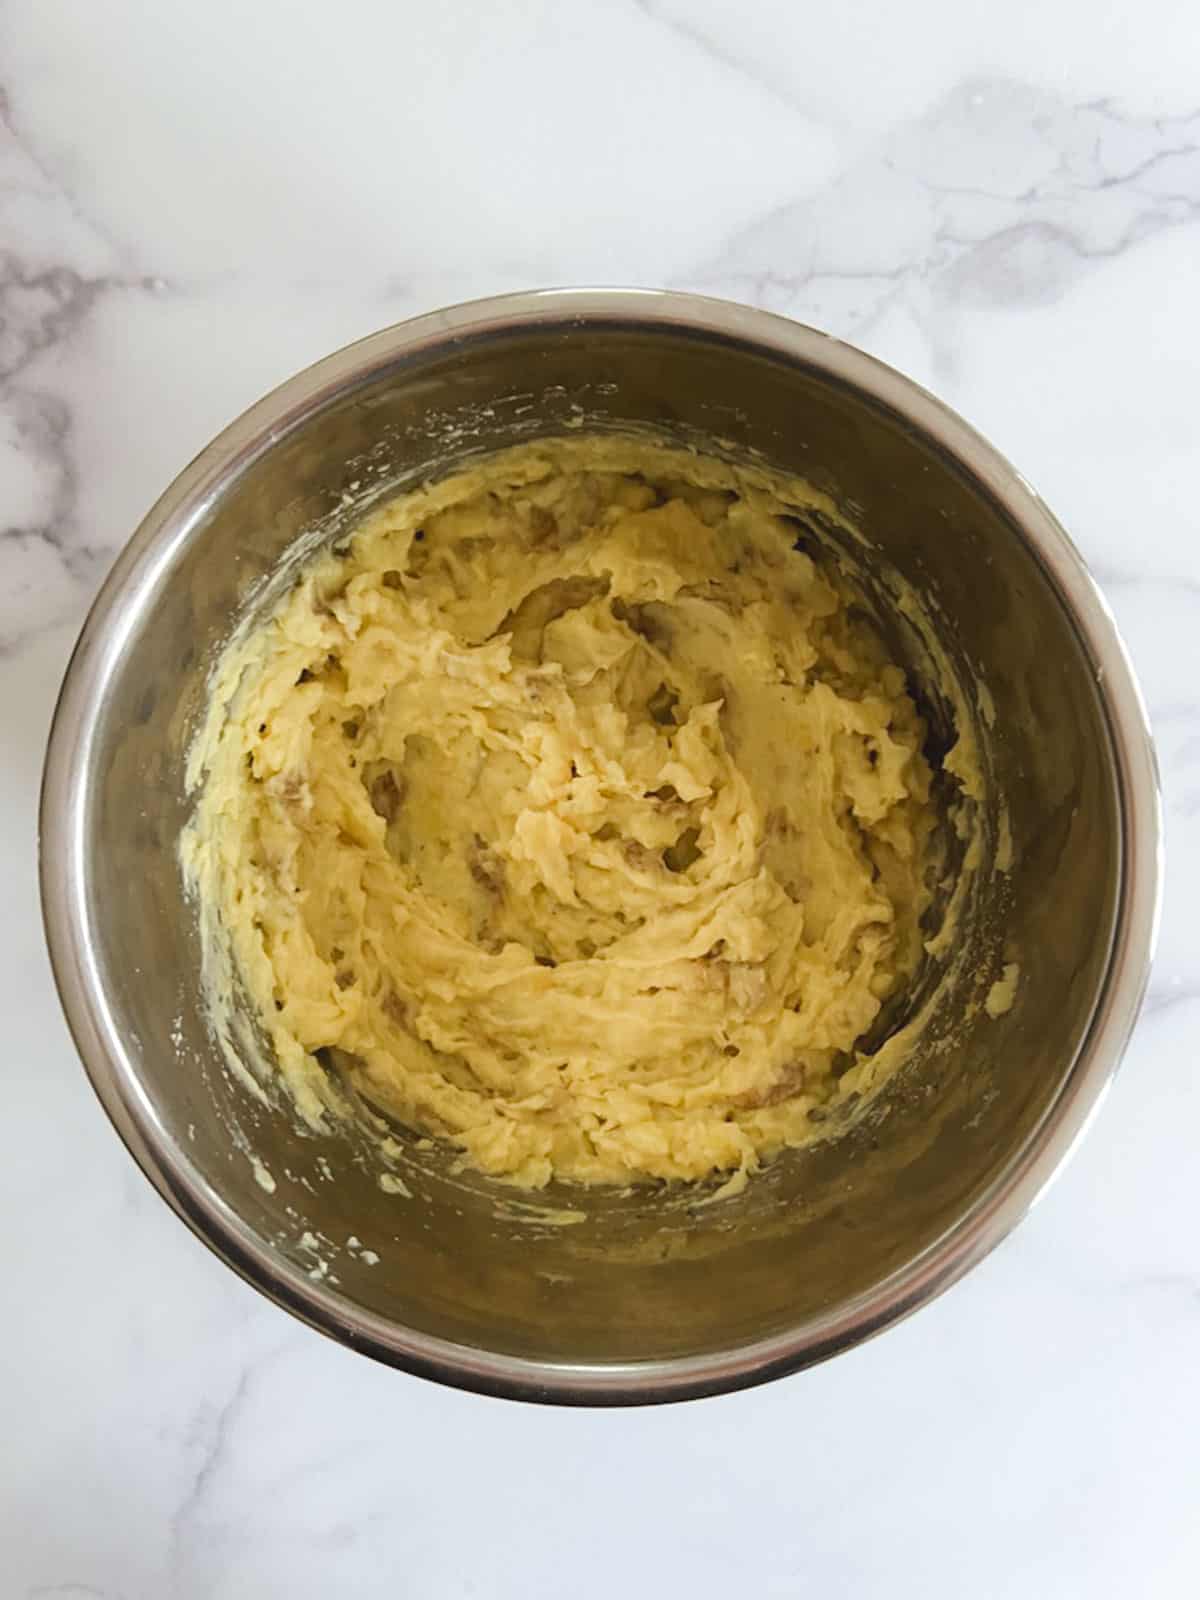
(199, 197)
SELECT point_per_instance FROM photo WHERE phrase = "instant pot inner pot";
(647, 1275)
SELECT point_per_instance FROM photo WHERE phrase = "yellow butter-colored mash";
(574, 815)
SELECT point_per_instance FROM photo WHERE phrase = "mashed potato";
(571, 814)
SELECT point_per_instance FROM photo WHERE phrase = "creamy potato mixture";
(574, 815)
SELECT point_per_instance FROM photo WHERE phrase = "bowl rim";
(166, 1163)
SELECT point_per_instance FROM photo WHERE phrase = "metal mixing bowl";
(651, 1297)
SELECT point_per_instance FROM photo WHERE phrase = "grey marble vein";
(1002, 195)
(55, 268)
(725, 55)
(214, 1432)
(1170, 994)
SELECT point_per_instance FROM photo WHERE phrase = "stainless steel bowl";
(649, 1299)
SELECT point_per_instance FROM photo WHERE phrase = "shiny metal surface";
(646, 1300)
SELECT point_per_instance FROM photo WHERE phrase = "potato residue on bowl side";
(571, 813)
